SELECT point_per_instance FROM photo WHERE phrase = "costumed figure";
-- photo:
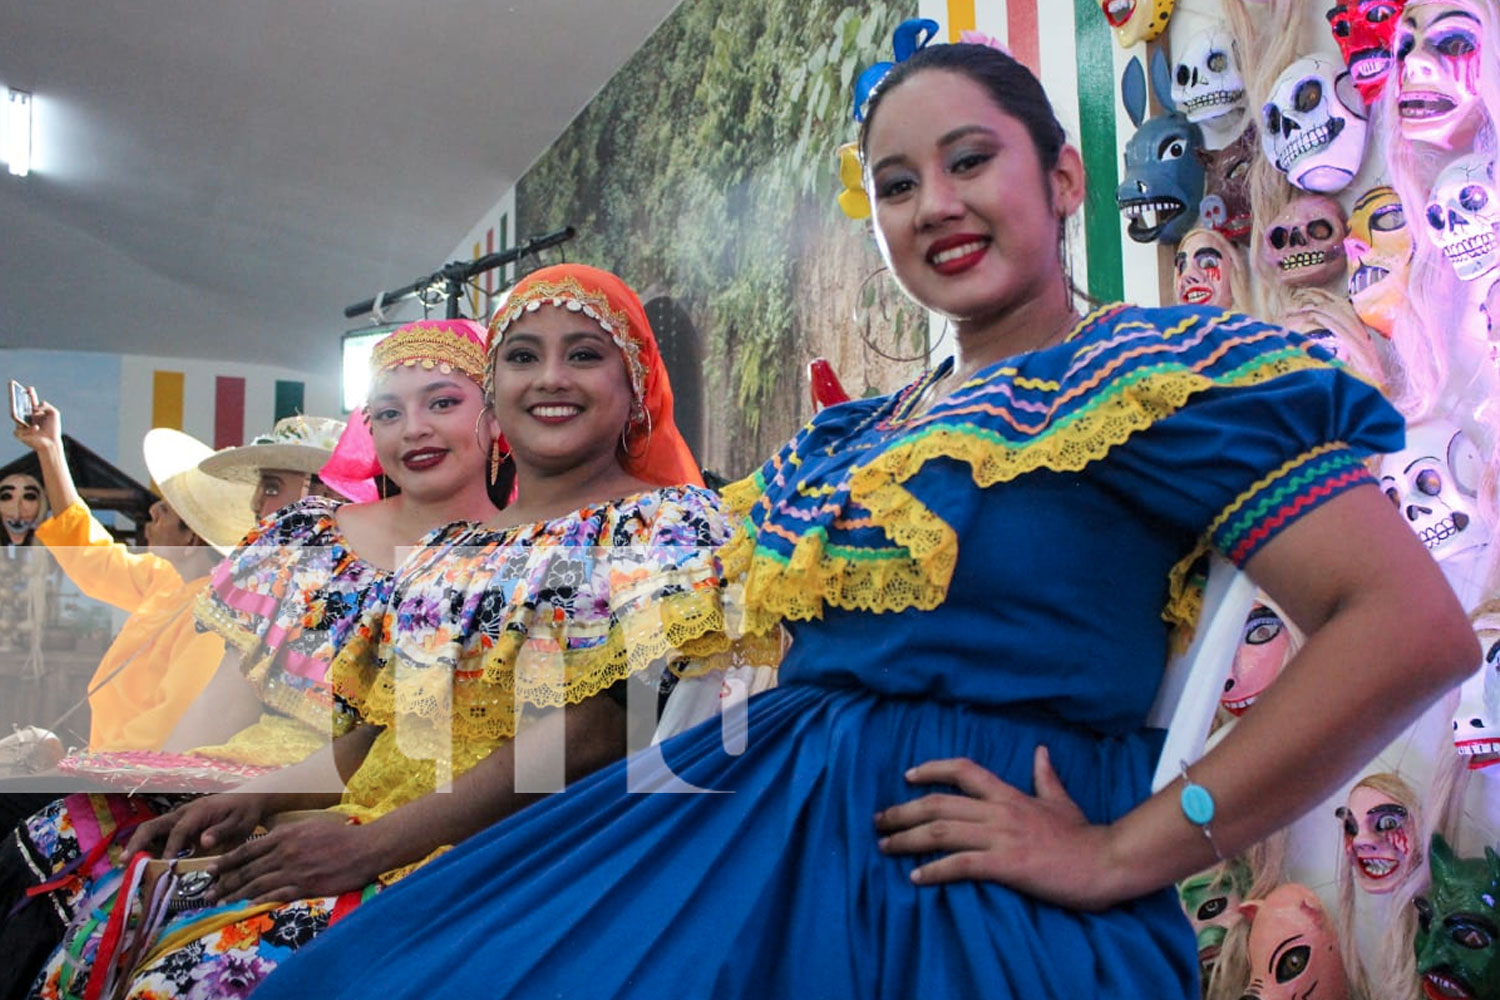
(1378, 253)
(23, 506)
(26, 582)
(507, 654)
(283, 465)
(284, 602)
(1017, 849)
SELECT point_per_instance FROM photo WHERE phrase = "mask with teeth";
(1136, 20)
(1439, 53)
(1476, 720)
(1294, 949)
(1365, 31)
(1379, 249)
(1203, 270)
(1209, 88)
(23, 506)
(1378, 826)
(1163, 180)
(1462, 212)
(1314, 125)
(1305, 242)
(1226, 187)
(1458, 924)
(1264, 647)
(1434, 483)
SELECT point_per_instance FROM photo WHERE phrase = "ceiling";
(218, 180)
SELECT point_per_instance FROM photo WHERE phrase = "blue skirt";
(769, 885)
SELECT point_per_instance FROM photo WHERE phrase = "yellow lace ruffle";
(273, 741)
(817, 574)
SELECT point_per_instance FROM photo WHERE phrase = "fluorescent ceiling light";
(15, 132)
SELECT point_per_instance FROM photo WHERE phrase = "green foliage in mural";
(707, 167)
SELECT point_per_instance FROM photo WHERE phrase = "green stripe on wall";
(288, 399)
(1096, 117)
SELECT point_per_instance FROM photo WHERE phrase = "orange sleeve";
(101, 567)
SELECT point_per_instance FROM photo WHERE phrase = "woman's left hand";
(300, 860)
(1040, 844)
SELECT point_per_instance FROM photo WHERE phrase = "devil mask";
(1458, 923)
(1365, 31)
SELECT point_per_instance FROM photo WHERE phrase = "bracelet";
(1198, 807)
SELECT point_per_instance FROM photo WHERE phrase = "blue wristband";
(1198, 807)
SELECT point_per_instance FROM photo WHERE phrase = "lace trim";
(687, 629)
(915, 571)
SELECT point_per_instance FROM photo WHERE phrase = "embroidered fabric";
(798, 549)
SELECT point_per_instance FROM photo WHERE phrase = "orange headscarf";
(655, 450)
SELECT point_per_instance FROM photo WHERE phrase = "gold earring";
(496, 460)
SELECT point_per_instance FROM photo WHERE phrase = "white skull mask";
(1476, 720)
(1305, 242)
(1434, 483)
(1209, 88)
(1313, 127)
(1462, 212)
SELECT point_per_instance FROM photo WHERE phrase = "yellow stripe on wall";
(166, 399)
(960, 18)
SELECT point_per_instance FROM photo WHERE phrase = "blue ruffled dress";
(994, 573)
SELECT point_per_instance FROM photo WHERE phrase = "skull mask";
(1476, 720)
(1434, 482)
(1313, 127)
(1208, 87)
(1305, 242)
(1163, 178)
(1379, 248)
(1365, 31)
(1458, 922)
(1462, 212)
(1136, 20)
(1226, 187)
(1294, 949)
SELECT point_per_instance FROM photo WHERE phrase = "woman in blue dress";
(948, 794)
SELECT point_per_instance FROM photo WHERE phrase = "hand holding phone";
(22, 404)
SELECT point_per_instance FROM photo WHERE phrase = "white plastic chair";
(1190, 688)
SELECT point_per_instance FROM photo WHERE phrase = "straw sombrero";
(217, 511)
(299, 444)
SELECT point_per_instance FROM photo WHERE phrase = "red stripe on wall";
(1024, 34)
(229, 411)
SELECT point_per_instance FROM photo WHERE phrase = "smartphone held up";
(22, 403)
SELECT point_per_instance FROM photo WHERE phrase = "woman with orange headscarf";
(510, 657)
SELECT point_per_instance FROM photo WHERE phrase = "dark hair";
(1013, 88)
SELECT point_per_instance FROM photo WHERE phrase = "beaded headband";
(568, 293)
(431, 346)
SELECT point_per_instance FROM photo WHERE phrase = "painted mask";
(1211, 900)
(1439, 47)
(1201, 279)
(1434, 483)
(1365, 31)
(21, 503)
(1462, 212)
(1226, 187)
(1377, 839)
(1314, 125)
(1458, 923)
(1163, 179)
(1261, 655)
(1379, 249)
(1208, 87)
(1305, 242)
(1476, 720)
(1294, 950)
(1136, 20)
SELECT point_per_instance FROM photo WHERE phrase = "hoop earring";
(497, 459)
(479, 419)
(862, 323)
(625, 440)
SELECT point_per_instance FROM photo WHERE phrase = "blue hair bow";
(909, 38)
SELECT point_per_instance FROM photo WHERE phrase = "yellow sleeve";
(101, 567)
